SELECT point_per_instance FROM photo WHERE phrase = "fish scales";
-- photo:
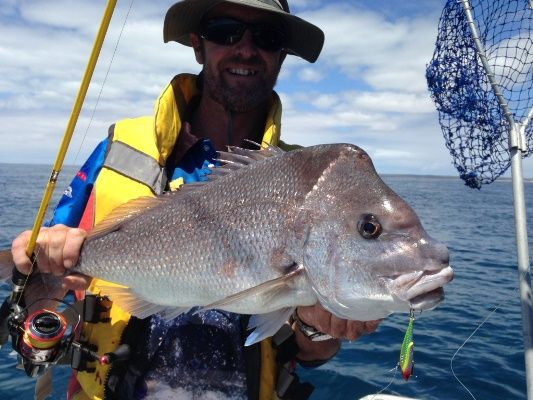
(216, 240)
(271, 231)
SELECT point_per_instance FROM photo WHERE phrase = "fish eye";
(369, 226)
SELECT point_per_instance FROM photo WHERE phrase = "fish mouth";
(427, 301)
(422, 289)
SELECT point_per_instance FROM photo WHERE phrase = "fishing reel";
(42, 336)
(39, 338)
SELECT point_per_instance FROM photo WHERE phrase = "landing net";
(471, 116)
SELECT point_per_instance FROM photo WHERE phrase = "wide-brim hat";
(303, 38)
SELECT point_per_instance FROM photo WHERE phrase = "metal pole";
(516, 146)
(523, 264)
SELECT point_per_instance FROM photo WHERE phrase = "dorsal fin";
(124, 212)
(247, 156)
(233, 159)
(237, 157)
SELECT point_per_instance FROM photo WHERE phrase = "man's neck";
(224, 128)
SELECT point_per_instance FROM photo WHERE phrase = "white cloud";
(375, 101)
(77, 15)
(368, 86)
(387, 54)
(310, 75)
(44, 54)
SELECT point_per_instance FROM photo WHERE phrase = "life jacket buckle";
(96, 308)
(81, 355)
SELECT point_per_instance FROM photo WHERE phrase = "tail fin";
(6, 265)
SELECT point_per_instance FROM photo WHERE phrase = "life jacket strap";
(91, 309)
(284, 343)
(136, 165)
(123, 378)
(288, 385)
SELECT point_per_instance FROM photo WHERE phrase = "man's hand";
(317, 317)
(325, 322)
(57, 250)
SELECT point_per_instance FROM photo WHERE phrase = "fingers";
(76, 282)
(57, 249)
(49, 251)
(356, 329)
(339, 328)
(18, 250)
(71, 251)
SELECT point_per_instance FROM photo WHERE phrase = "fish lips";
(422, 289)
(427, 301)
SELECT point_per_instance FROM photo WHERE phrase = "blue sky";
(368, 86)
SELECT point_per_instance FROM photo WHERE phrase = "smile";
(242, 71)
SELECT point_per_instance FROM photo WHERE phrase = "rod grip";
(19, 280)
(5, 310)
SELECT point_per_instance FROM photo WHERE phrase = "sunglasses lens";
(268, 37)
(223, 31)
(227, 32)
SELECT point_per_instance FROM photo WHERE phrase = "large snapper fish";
(268, 232)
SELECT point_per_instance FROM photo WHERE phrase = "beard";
(241, 98)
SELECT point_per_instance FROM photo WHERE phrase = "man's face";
(240, 76)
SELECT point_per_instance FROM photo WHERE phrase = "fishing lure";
(406, 353)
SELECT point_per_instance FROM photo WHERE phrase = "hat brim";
(303, 38)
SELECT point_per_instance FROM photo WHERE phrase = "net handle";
(517, 145)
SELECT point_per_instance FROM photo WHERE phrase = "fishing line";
(395, 369)
(405, 363)
(37, 250)
(104, 81)
(496, 308)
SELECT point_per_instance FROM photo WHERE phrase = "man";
(241, 45)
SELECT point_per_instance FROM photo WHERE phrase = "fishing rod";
(74, 115)
(28, 332)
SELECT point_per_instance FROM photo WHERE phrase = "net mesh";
(473, 123)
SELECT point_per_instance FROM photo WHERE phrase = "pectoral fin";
(6, 265)
(39, 289)
(130, 302)
(267, 325)
(271, 288)
(43, 386)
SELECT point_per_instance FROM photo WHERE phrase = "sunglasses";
(228, 31)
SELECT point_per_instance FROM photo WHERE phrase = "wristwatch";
(309, 331)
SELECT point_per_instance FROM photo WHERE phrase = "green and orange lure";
(406, 353)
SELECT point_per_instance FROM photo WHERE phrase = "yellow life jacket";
(149, 141)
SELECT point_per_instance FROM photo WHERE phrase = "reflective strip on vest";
(136, 165)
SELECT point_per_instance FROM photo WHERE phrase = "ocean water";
(477, 226)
